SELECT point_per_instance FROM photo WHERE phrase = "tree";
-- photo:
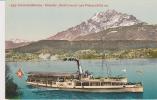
(11, 89)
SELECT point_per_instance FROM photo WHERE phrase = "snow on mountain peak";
(112, 18)
(18, 40)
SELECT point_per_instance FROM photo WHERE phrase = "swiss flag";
(19, 73)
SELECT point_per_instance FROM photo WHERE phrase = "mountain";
(14, 43)
(124, 37)
(64, 46)
(99, 22)
(133, 32)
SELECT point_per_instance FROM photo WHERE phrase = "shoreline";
(80, 59)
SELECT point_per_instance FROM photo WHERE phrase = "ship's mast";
(104, 57)
(102, 54)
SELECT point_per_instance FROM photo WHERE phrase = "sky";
(36, 23)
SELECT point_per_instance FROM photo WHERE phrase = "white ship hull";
(123, 88)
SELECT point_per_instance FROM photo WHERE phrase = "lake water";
(144, 70)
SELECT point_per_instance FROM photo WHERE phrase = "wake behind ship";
(82, 81)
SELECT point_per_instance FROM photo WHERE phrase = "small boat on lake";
(82, 81)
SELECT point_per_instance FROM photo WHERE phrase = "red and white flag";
(19, 73)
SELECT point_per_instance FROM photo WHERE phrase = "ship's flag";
(19, 73)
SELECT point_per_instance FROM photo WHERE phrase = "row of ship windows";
(97, 84)
(81, 84)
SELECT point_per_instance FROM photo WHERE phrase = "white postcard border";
(2, 50)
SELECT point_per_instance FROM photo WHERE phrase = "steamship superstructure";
(82, 81)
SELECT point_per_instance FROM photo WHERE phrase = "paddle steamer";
(82, 81)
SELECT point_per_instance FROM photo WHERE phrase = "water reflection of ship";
(82, 81)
